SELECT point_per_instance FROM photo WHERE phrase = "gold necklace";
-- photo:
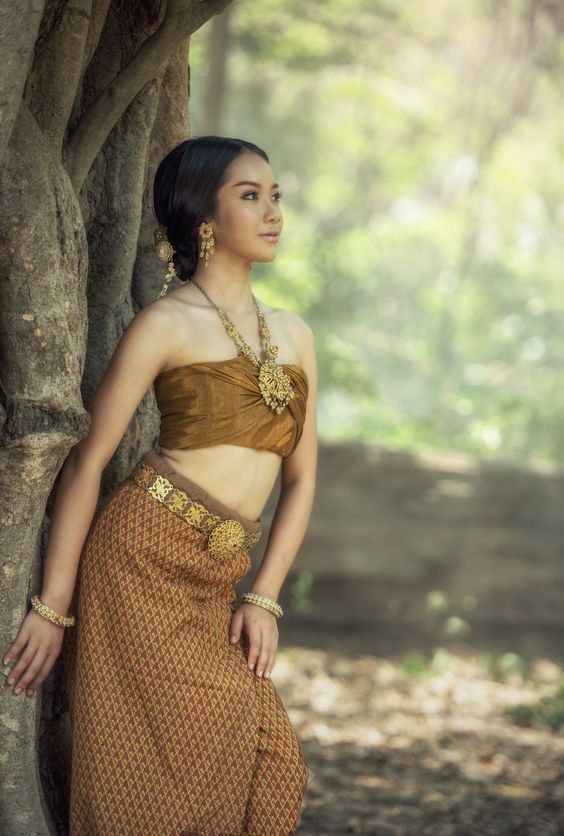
(275, 385)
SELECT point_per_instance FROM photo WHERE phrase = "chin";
(263, 257)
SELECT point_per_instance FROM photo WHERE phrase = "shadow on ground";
(410, 731)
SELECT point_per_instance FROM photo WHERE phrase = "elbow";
(304, 483)
(82, 458)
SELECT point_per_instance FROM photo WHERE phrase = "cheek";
(241, 222)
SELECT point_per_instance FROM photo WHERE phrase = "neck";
(227, 280)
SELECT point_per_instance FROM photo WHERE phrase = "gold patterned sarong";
(172, 733)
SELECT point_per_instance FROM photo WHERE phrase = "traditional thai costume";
(173, 734)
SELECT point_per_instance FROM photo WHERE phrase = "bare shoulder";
(162, 312)
(304, 338)
(297, 333)
(162, 320)
(298, 325)
(292, 322)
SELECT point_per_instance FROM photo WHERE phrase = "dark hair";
(185, 191)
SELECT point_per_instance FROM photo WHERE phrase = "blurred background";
(419, 151)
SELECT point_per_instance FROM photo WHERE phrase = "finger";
(25, 658)
(41, 674)
(235, 628)
(32, 670)
(19, 670)
(19, 644)
(265, 655)
(255, 639)
(272, 651)
(20, 667)
(270, 664)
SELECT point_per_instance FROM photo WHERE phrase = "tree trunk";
(94, 93)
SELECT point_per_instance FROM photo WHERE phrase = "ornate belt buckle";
(224, 538)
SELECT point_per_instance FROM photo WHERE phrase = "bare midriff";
(240, 477)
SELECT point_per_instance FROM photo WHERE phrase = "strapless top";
(220, 402)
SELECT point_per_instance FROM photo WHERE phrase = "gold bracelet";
(262, 601)
(51, 615)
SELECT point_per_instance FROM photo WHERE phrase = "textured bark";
(81, 83)
(171, 126)
(18, 33)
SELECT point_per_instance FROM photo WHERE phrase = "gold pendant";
(275, 385)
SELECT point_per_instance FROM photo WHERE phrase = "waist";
(239, 477)
(225, 527)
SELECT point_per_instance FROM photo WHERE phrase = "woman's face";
(248, 207)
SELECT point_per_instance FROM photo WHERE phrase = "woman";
(177, 725)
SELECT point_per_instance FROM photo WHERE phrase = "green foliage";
(504, 666)
(300, 591)
(546, 713)
(414, 666)
(419, 149)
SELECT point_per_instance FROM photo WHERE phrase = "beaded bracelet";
(51, 615)
(262, 601)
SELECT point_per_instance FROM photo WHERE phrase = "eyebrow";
(252, 183)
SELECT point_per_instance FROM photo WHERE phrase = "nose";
(273, 211)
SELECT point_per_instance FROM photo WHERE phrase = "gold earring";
(208, 242)
(165, 251)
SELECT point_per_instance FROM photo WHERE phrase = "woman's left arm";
(297, 489)
(288, 528)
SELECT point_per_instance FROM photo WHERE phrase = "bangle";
(51, 615)
(262, 601)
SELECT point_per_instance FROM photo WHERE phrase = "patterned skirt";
(172, 733)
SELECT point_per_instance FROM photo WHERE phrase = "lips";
(270, 236)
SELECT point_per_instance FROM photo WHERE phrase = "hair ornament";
(165, 251)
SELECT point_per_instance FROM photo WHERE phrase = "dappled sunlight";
(393, 741)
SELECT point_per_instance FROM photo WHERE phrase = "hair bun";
(185, 259)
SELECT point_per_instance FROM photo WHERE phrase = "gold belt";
(224, 536)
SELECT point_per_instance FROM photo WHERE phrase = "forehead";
(249, 167)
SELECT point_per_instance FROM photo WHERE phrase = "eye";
(277, 196)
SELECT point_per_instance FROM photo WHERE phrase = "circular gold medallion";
(224, 537)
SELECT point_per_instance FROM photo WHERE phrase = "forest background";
(419, 147)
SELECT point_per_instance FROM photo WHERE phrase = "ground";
(447, 742)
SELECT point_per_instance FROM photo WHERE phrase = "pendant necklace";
(275, 385)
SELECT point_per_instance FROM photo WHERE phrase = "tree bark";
(94, 93)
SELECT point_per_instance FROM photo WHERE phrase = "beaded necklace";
(275, 385)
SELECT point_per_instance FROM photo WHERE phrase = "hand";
(41, 641)
(262, 631)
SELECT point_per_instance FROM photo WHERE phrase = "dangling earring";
(165, 251)
(208, 241)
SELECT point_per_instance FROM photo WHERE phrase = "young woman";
(177, 725)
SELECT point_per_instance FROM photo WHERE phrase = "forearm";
(73, 511)
(287, 532)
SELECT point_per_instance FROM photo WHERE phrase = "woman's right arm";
(140, 355)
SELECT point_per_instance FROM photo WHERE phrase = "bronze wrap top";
(220, 402)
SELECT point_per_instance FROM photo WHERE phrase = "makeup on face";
(253, 184)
